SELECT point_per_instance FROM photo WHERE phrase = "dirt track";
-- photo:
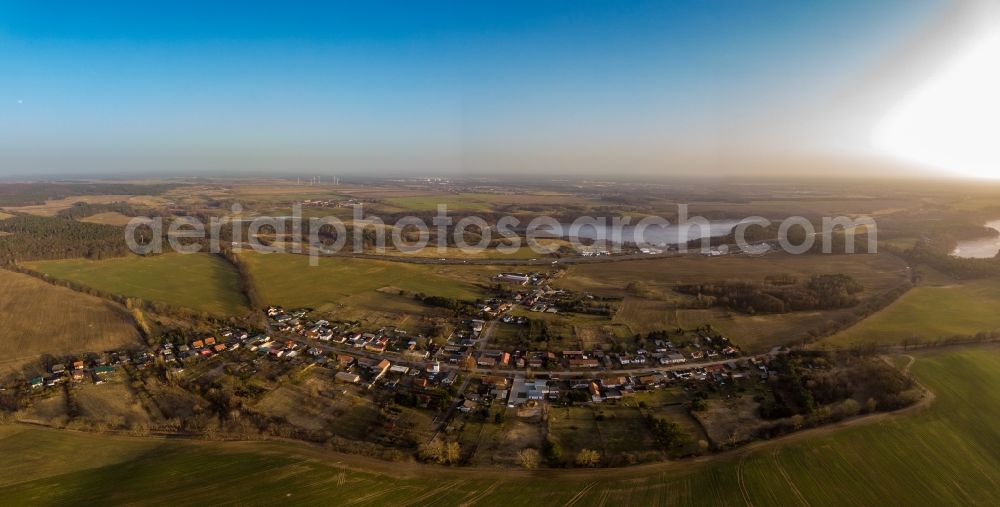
(304, 450)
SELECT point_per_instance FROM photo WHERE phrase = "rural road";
(397, 359)
(484, 338)
(499, 261)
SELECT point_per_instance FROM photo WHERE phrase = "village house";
(494, 381)
(674, 358)
(583, 363)
(515, 278)
(595, 392)
(102, 371)
(344, 376)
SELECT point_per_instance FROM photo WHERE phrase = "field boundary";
(408, 469)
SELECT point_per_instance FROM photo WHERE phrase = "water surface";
(982, 248)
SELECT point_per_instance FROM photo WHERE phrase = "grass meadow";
(202, 282)
(928, 313)
(944, 454)
(289, 280)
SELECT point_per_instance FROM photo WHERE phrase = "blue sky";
(429, 87)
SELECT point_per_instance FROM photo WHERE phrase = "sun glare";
(952, 122)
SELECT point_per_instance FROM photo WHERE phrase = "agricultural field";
(927, 313)
(202, 282)
(471, 201)
(807, 207)
(45, 319)
(942, 454)
(52, 207)
(362, 289)
(652, 304)
(876, 272)
(523, 253)
(108, 218)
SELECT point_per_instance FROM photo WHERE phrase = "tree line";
(85, 209)
(820, 292)
(26, 194)
(31, 237)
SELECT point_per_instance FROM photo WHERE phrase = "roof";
(494, 380)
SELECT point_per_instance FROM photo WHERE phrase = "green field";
(200, 281)
(929, 313)
(289, 280)
(947, 454)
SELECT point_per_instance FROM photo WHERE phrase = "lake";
(660, 236)
(982, 248)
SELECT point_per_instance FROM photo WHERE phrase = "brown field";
(38, 318)
(656, 307)
(488, 444)
(877, 272)
(107, 218)
(50, 208)
(480, 439)
(618, 430)
(781, 208)
(110, 403)
(319, 403)
(731, 421)
(50, 409)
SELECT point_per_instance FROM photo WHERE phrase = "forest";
(821, 292)
(26, 194)
(31, 237)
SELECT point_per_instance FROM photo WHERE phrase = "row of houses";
(615, 386)
(378, 341)
(97, 370)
